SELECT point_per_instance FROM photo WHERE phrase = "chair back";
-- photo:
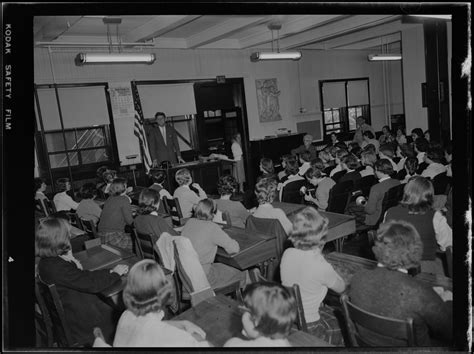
(390, 199)
(441, 184)
(49, 207)
(300, 319)
(90, 227)
(146, 247)
(387, 328)
(227, 219)
(50, 296)
(173, 208)
(75, 220)
(449, 260)
(339, 196)
(43, 324)
(365, 183)
(291, 192)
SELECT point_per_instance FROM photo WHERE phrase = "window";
(83, 147)
(342, 101)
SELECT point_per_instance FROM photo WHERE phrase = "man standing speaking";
(162, 141)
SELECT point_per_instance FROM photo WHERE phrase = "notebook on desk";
(98, 257)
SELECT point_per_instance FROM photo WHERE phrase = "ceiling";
(226, 31)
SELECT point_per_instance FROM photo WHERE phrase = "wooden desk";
(340, 225)
(254, 249)
(221, 319)
(347, 265)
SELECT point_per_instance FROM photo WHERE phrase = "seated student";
(307, 146)
(88, 209)
(338, 171)
(404, 151)
(40, 188)
(386, 152)
(356, 151)
(305, 265)
(434, 158)
(409, 170)
(158, 177)
(116, 213)
(416, 208)
(387, 136)
(205, 237)
(390, 291)
(327, 160)
(416, 134)
(266, 168)
(291, 168)
(373, 208)
(351, 164)
(368, 159)
(77, 288)
(145, 296)
(270, 311)
(148, 221)
(226, 186)
(323, 184)
(293, 175)
(305, 159)
(108, 176)
(448, 156)
(333, 140)
(427, 135)
(101, 183)
(186, 196)
(369, 138)
(265, 190)
(421, 146)
(63, 200)
(401, 138)
(282, 174)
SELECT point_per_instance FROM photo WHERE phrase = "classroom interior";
(204, 76)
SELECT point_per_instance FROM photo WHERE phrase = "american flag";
(139, 128)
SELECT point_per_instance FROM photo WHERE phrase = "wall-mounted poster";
(267, 99)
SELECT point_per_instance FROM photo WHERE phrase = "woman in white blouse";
(239, 171)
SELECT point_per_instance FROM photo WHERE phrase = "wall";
(205, 64)
(449, 33)
(413, 49)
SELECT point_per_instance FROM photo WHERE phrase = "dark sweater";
(423, 223)
(78, 290)
(116, 213)
(153, 224)
(398, 295)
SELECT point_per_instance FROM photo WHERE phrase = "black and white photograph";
(232, 175)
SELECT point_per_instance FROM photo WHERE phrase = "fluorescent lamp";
(275, 56)
(442, 17)
(112, 58)
(382, 57)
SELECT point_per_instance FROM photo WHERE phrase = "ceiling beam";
(373, 42)
(359, 36)
(222, 30)
(51, 27)
(294, 25)
(334, 29)
(156, 27)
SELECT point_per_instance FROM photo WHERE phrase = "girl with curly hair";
(227, 186)
(145, 296)
(390, 291)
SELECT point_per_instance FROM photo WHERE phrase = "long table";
(221, 319)
(347, 265)
(255, 248)
(340, 225)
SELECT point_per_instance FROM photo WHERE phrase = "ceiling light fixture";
(384, 57)
(441, 17)
(275, 55)
(111, 57)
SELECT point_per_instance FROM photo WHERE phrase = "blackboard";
(313, 127)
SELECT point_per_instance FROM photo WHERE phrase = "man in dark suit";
(373, 208)
(162, 141)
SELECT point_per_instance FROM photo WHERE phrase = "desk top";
(220, 318)
(254, 248)
(347, 265)
(289, 209)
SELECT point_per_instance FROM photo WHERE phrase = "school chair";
(173, 208)
(90, 227)
(385, 328)
(291, 192)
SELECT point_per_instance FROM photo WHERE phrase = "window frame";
(343, 111)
